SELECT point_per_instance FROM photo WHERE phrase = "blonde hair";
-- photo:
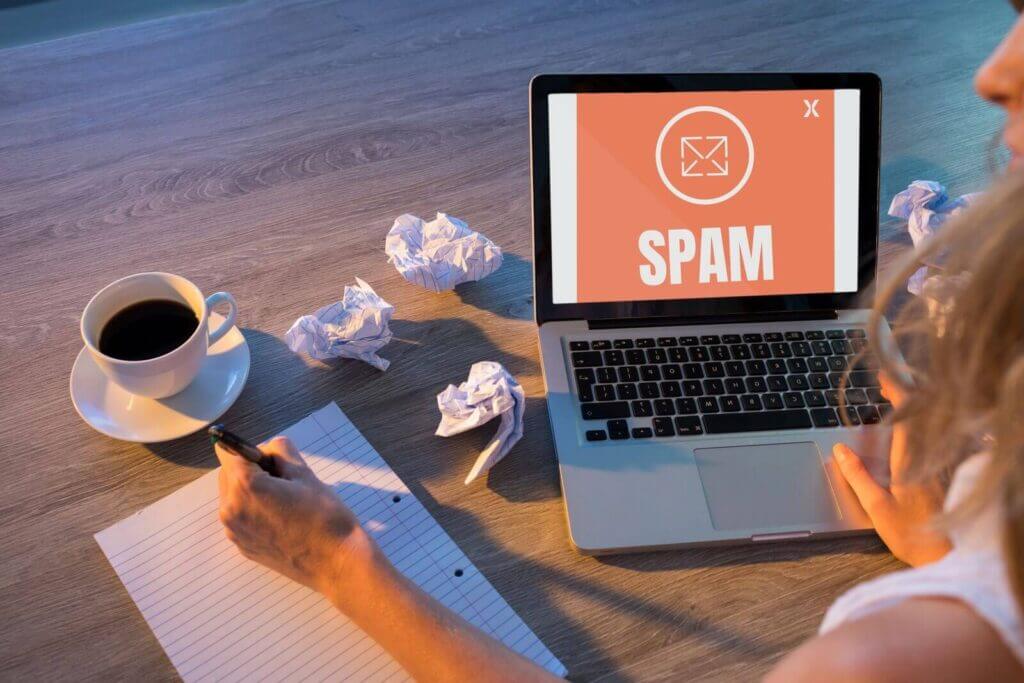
(964, 377)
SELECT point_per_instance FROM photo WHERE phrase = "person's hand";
(294, 523)
(902, 513)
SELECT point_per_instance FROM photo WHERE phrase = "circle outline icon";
(750, 156)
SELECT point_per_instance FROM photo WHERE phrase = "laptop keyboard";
(651, 387)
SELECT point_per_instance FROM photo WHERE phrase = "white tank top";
(973, 572)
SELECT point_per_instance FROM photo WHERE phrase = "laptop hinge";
(765, 317)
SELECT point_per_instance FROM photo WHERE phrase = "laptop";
(702, 243)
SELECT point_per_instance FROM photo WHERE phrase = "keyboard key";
(863, 378)
(875, 395)
(596, 435)
(835, 334)
(729, 404)
(642, 433)
(801, 349)
(817, 364)
(649, 390)
(670, 389)
(836, 363)
(688, 341)
(635, 357)
(618, 429)
(607, 375)
(818, 380)
(714, 369)
(614, 357)
(797, 365)
(699, 354)
(579, 345)
(772, 401)
(622, 344)
(693, 387)
(710, 339)
(856, 334)
(751, 402)
(776, 366)
(585, 392)
(869, 415)
(686, 406)
(626, 392)
(656, 356)
(604, 411)
(642, 408)
(851, 415)
(821, 348)
(668, 341)
(734, 368)
(756, 385)
(814, 399)
(884, 409)
(841, 346)
(756, 422)
(644, 343)
(824, 417)
(664, 406)
(781, 350)
(856, 397)
(752, 337)
(798, 383)
(585, 376)
(776, 383)
(814, 335)
(836, 379)
(663, 427)
(735, 385)
(587, 359)
(650, 373)
(756, 367)
(688, 426)
(693, 371)
(773, 337)
(628, 374)
(731, 339)
(831, 397)
(600, 344)
(793, 400)
(719, 352)
(794, 336)
(740, 351)
(677, 354)
(714, 387)
(605, 392)
(671, 371)
(707, 404)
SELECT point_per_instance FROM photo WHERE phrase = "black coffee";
(148, 329)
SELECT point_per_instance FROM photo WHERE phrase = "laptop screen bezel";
(870, 132)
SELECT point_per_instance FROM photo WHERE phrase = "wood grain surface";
(265, 149)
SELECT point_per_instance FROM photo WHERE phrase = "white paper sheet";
(441, 253)
(222, 617)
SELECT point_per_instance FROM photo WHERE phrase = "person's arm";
(296, 525)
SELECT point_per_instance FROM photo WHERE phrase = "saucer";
(109, 409)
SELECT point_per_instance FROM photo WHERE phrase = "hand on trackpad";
(769, 486)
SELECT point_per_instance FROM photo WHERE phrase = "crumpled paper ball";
(441, 253)
(355, 327)
(489, 391)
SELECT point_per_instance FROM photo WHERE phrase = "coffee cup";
(158, 309)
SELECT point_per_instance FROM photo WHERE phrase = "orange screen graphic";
(652, 167)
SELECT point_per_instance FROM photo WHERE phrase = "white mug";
(164, 375)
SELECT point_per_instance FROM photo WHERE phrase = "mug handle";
(229, 322)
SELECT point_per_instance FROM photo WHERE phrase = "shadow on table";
(507, 293)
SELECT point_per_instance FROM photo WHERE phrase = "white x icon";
(812, 109)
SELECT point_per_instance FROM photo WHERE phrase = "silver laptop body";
(706, 420)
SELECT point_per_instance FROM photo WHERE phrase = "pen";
(241, 447)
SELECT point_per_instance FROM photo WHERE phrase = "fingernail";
(839, 451)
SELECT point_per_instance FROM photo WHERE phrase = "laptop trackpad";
(757, 487)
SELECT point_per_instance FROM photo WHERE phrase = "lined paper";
(222, 617)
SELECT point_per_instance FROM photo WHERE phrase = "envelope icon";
(705, 155)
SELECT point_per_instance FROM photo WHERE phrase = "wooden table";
(265, 149)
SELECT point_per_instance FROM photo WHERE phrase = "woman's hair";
(964, 372)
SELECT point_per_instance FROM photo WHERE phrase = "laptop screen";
(683, 195)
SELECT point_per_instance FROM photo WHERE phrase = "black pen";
(241, 447)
